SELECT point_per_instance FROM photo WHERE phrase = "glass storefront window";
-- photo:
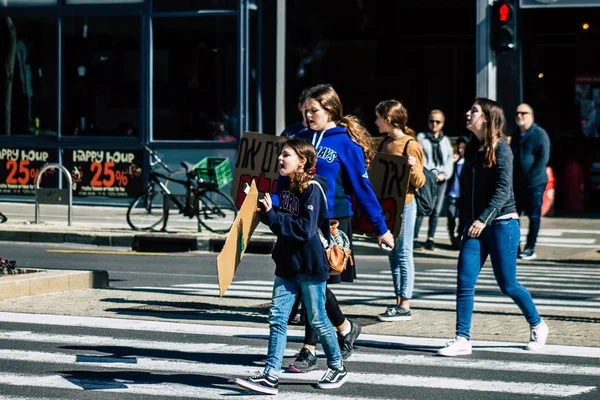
(101, 76)
(28, 93)
(195, 78)
(190, 5)
(27, 3)
(104, 1)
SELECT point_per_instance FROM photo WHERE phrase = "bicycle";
(213, 209)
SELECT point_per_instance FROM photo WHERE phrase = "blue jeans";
(401, 256)
(530, 200)
(500, 240)
(313, 297)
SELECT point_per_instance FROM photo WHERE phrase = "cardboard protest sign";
(237, 240)
(256, 160)
(389, 177)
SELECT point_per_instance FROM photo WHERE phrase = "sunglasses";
(433, 121)
(522, 112)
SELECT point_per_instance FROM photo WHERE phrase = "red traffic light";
(503, 13)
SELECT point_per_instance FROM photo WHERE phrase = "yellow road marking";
(121, 253)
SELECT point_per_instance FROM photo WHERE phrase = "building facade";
(186, 77)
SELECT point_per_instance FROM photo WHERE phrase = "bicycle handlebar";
(157, 159)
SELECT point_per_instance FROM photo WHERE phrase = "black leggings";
(334, 313)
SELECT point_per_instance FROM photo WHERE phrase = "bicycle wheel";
(147, 212)
(216, 211)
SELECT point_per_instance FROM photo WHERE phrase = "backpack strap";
(406, 146)
(324, 240)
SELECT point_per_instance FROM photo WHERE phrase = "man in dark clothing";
(532, 152)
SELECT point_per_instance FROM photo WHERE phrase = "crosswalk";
(573, 238)
(553, 287)
(64, 357)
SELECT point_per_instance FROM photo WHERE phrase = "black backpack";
(427, 195)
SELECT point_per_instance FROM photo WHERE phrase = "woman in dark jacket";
(491, 226)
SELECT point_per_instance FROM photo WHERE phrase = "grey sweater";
(447, 167)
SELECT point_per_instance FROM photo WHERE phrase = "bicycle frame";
(154, 178)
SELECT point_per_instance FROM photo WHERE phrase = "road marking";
(121, 253)
(146, 364)
(153, 388)
(294, 334)
(225, 348)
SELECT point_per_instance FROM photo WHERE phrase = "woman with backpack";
(399, 139)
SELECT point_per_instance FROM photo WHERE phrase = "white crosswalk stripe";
(84, 364)
(552, 288)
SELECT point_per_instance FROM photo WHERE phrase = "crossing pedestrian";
(438, 154)
(453, 196)
(300, 265)
(531, 147)
(399, 139)
(344, 152)
(492, 226)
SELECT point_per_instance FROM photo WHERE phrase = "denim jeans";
(529, 200)
(435, 213)
(500, 241)
(453, 213)
(313, 297)
(401, 256)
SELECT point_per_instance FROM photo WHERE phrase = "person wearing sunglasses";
(439, 157)
(531, 147)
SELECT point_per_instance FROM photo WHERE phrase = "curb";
(41, 281)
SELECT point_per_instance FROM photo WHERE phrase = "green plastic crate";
(214, 170)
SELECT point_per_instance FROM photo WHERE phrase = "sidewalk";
(575, 327)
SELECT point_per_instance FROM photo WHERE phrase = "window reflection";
(28, 90)
(101, 79)
(195, 78)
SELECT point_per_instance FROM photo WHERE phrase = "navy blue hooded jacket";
(299, 252)
(341, 162)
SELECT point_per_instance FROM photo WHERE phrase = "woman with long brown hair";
(491, 226)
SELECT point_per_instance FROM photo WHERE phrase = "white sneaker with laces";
(458, 346)
(538, 336)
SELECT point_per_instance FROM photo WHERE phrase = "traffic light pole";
(485, 57)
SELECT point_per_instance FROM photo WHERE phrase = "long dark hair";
(330, 101)
(305, 151)
(492, 133)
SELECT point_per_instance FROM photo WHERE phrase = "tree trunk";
(8, 69)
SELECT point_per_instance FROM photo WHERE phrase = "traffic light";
(504, 26)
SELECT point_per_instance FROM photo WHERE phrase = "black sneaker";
(395, 314)
(528, 254)
(333, 378)
(347, 342)
(429, 245)
(305, 361)
(259, 383)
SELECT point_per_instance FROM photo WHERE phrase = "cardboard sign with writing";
(389, 175)
(256, 160)
(237, 240)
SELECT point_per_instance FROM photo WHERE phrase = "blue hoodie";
(342, 163)
(295, 220)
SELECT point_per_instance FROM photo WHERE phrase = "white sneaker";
(538, 336)
(459, 346)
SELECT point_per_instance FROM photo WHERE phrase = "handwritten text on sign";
(257, 160)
